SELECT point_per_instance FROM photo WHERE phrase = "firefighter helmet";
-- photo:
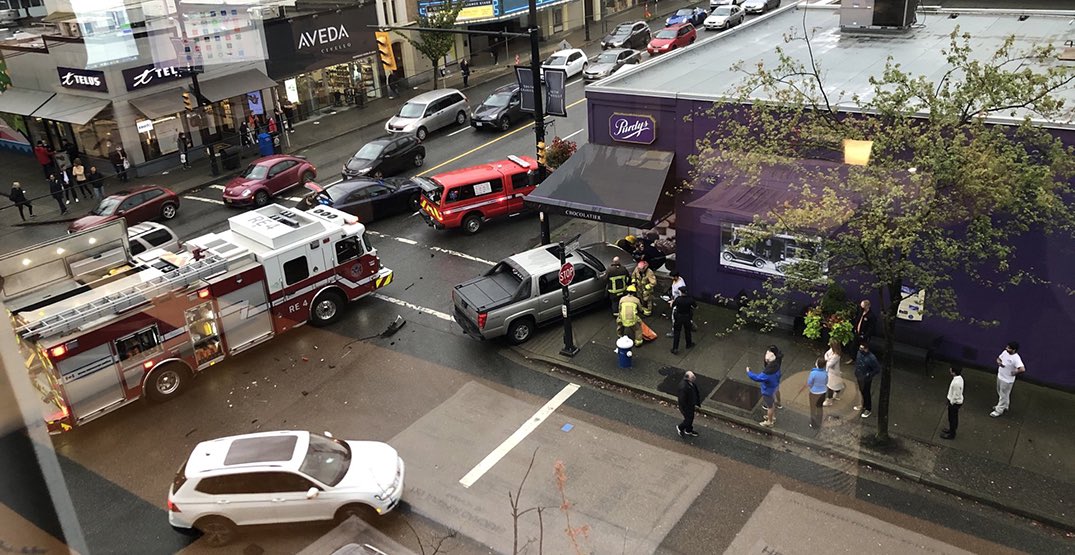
(632, 289)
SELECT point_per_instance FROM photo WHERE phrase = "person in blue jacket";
(817, 381)
(770, 384)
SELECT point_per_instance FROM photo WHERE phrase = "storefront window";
(93, 138)
(158, 137)
(335, 86)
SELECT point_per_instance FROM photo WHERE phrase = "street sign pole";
(567, 274)
(539, 117)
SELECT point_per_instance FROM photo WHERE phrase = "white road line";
(331, 183)
(421, 309)
(529, 426)
(295, 199)
(575, 82)
(405, 240)
(209, 200)
(217, 187)
(454, 133)
(573, 134)
(462, 255)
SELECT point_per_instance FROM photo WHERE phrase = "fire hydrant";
(623, 348)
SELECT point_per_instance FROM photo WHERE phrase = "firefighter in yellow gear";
(618, 280)
(628, 319)
(644, 281)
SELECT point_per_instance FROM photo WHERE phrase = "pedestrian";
(835, 384)
(682, 319)
(393, 84)
(689, 400)
(866, 367)
(644, 281)
(44, 157)
(71, 150)
(68, 183)
(272, 127)
(770, 384)
(119, 162)
(97, 181)
(817, 381)
(1009, 365)
(78, 171)
(183, 145)
(244, 134)
(864, 326)
(616, 278)
(464, 69)
(495, 53)
(678, 283)
(56, 190)
(628, 318)
(955, 402)
(18, 196)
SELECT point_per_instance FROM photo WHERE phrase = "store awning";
(164, 103)
(70, 108)
(613, 184)
(235, 84)
(23, 101)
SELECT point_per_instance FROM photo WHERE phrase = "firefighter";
(644, 281)
(618, 277)
(628, 319)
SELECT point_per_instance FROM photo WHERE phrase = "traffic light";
(541, 153)
(188, 101)
(384, 46)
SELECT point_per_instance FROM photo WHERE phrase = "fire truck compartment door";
(91, 380)
(245, 317)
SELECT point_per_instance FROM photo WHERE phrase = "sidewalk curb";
(867, 460)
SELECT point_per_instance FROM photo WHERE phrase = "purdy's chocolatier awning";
(614, 184)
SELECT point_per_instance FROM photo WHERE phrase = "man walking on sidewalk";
(864, 326)
(866, 367)
(817, 382)
(44, 157)
(18, 196)
(955, 401)
(682, 318)
(689, 399)
(56, 190)
(1009, 365)
(464, 68)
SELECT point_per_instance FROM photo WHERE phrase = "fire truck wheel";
(327, 308)
(520, 331)
(166, 381)
(261, 198)
(472, 223)
(217, 531)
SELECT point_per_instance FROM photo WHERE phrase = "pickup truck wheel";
(326, 309)
(217, 531)
(472, 223)
(166, 382)
(520, 330)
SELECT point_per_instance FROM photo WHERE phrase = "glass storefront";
(94, 137)
(346, 84)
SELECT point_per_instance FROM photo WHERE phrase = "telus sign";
(632, 128)
(148, 75)
(85, 79)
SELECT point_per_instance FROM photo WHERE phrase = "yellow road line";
(483, 145)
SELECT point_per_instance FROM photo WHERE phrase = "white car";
(572, 60)
(277, 477)
(715, 3)
(724, 17)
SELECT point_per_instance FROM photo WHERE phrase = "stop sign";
(567, 274)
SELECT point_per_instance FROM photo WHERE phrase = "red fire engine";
(99, 328)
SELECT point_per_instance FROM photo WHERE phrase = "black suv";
(628, 35)
(499, 111)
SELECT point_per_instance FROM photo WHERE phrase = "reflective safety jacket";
(617, 279)
(646, 280)
(628, 315)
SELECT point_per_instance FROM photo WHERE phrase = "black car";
(369, 199)
(386, 155)
(499, 111)
(628, 35)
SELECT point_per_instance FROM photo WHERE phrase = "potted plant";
(830, 318)
(558, 152)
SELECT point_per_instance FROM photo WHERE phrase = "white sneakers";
(865, 414)
(826, 403)
(995, 413)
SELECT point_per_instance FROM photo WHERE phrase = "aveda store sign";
(309, 42)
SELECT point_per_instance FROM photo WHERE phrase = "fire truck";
(99, 328)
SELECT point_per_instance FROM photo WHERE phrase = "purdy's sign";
(83, 79)
(632, 128)
(140, 77)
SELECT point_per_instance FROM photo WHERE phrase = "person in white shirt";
(677, 283)
(955, 401)
(1009, 365)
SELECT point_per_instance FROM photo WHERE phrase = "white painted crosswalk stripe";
(454, 133)
(414, 307)
(217, 187)
(209, 200)
(462, 255)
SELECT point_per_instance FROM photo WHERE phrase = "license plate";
(477, 124)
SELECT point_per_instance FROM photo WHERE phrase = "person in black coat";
(682, 318)
(56, 190)
(863, 325)
(464, 69)
(689, 400)
(18, 196)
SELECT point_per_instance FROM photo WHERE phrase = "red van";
(468, 197)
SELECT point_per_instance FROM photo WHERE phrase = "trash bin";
(265, 146)
(229, 157)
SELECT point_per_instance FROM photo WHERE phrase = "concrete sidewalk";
(1023, 462)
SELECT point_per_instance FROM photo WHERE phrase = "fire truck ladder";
(71, 319)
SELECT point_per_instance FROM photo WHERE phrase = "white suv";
(285, 476)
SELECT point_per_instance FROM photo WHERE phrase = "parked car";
(429, 112)
(609, 61)
(386, 155)
(369, 199)
(760, 6)
(627, 35)
(715, 3)
(267, 177)
(523, 291)
(694, 16)
(137, 205)
(572, 60)
(469, 197)
(147, 236)
(279, 477)
(725, 17)
(500, 110)
(671, 38)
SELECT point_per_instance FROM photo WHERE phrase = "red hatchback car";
(671, 38)
(266, 177)
(137, 205)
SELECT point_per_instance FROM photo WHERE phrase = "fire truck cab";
(99, 328)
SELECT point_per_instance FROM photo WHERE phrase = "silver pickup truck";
(523, 291)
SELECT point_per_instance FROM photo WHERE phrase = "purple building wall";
(1040, 316)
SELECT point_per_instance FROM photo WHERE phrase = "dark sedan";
(386, 155)
(499, 111)
(628, 35)
(369, 199)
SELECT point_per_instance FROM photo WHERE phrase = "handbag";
(126, 164)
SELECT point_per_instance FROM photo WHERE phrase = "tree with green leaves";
(5, 79)
(433, 44)
(944, 192)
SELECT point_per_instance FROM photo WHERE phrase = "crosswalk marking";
(209, 200)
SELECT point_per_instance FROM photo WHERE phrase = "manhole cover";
(673, 376)
(739, 395)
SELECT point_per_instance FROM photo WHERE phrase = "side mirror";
(120, 212)
(312, 493)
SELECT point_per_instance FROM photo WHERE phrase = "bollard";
(623, 349)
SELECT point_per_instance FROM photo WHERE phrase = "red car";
(671, 38)
(468, 197)
(266, 177)
(137, 205)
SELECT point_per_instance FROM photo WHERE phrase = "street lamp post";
(538, 176)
